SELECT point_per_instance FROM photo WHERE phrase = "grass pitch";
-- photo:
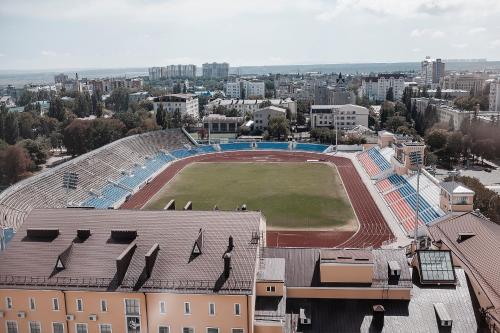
(291, 195)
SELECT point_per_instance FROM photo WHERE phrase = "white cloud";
(459, 45)
(50, 53)
(410, 9)
(495, 43)
(428, 33)
(477, 30)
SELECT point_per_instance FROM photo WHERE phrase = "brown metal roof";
(302, 266)
(346, 256)
(479, 253)
(92, 263)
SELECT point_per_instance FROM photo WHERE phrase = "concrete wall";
(349, 293)
(261, 288)
(346, 273)
(199, 319)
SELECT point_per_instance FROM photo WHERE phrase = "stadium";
(332, 207)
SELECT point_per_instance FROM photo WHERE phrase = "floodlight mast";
(70, 181)
(416, 159)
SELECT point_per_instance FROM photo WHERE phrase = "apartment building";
(94, 271)
(245, 89)
(262, 116)
(185, 103)
(376, 87)
(494, 97)
(472, 82)
(432, 71)
(250, 105)
(215, 70)
(343, 116)
(155, 73)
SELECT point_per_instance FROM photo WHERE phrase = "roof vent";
(462, 236)
(42, 234)
(151, 258)
(62, 259)
(123, 235)
(83, 234)
(394, 268)
(198, 244)
(123, 261)
(378, 316)
(444, 317)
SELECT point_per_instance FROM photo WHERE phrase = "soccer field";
(291, 195)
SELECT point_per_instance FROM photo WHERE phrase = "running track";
(373, 229)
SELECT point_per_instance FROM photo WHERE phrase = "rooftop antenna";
(70, 182)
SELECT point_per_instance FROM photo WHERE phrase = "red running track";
(373, 230)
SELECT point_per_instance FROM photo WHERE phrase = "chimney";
(227, 264)
(378, 316)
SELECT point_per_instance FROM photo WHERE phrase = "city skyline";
(62, 35)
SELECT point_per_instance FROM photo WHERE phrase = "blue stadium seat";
(316, 148)
(235, 146)
(273, 145)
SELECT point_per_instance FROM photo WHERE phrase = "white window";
(187, 330)
(132, 307)
(57, 328)
(105, 328)
(81, 328)
(104, 305)
(211, 309)
(79, 305)
(163, 329)
(55, 304)
(35, 327)
(237, 330)
(237, 309)
(270, 289)
(11, 326)
(163, 307)
(32, 304)
(8, 302)
(212, 330)
(187, 308)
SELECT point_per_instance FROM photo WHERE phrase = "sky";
(63, 34)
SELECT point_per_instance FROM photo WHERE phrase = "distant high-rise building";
(216, 70)
(376, 87)
(245, 89)
(432, 70)
(172, 71)
(495, 95)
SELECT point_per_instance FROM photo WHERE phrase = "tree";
(14, 163)
(386, 111)
(279, 127)
(265, 104)
(438, 92)
(393, 123)
(119, 99)
(56, 109)
(76, 137)
(389, 96)
(177, 119)
(436, 139)
(37, 150)
(130, 119)
(188, 121)
(26, 124)
(11, 128)
(301, 119)
(161, 116)
(82, 105)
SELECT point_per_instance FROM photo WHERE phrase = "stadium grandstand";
(109, 175)
(389, 167)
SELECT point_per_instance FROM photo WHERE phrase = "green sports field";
(291, 195)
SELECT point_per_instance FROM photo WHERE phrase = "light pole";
(453, 173)
(416, 159)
